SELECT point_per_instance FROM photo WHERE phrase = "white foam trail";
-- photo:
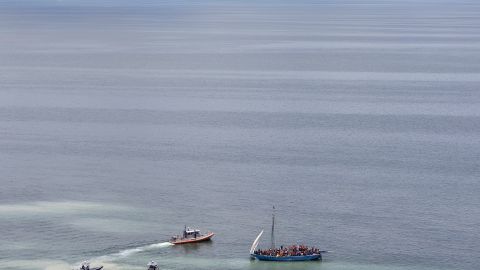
(106, 260)
(128, 252)
(113, 266)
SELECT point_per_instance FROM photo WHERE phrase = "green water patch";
(45, 208)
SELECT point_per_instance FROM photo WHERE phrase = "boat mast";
(273, 229)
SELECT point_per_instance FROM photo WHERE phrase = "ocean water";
(121, 121)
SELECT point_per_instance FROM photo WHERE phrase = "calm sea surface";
(121, 121)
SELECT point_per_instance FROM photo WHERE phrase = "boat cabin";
(191, 233)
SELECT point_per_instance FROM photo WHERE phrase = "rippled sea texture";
(121, 121)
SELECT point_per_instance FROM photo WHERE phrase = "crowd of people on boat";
(296, 250)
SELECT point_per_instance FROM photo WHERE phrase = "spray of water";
(105, 259)
(131, 251)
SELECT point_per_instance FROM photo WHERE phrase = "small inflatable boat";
(86, 266)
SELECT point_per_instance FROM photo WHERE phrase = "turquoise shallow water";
(120, 122)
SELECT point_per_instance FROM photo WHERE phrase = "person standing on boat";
(85, 266)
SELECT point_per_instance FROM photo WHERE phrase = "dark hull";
(313, 257)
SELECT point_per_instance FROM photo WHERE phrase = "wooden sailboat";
(292, 253)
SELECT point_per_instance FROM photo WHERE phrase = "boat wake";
(128, 252)
(108, 261)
